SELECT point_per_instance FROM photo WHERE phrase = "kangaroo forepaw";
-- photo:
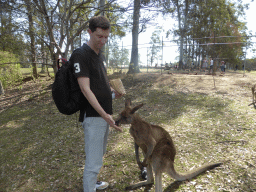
(144, 173)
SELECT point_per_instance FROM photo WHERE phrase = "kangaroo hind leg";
(158, 182)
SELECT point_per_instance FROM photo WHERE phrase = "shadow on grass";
(162, 107)
(44, 150)
(164, 103)
(176, 184)
(38, 148)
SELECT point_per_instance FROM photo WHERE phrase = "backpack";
(66, 92)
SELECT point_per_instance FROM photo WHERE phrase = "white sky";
(170, 53)
(250, 19)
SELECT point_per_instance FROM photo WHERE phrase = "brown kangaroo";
(253, 94)
(158, 149)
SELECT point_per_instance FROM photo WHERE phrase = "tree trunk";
(181, 37)
(43, 54)
(134, 64)
(1, 88)
(55, 57)
(181, 51)
(32, 38)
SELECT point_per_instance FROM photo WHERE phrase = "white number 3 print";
(77, 66)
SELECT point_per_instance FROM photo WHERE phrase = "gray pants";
(96, 132)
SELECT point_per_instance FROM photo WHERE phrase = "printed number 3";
(77, 66)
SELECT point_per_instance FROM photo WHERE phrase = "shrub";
(9, 73)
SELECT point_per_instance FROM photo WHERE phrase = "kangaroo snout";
(117, 122)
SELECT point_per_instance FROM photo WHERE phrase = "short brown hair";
(99, 21)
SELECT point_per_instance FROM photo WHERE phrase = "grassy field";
(207, 116)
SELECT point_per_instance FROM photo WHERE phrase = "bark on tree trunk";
(1, 88)
(54, 62)
(134, 64)
(32, 39)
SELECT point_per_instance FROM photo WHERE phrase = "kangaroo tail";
(193, 173)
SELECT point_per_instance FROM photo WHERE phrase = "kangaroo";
(158, 149)
(253, 94)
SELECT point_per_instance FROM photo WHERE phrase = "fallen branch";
(240, 141)
(252, 103)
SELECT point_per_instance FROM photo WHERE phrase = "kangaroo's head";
(126, 116)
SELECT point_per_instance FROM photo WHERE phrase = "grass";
(43, 150)
(28, 71)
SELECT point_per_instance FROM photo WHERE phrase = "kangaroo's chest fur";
(145, 133)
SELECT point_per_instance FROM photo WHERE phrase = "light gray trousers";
(96, 131)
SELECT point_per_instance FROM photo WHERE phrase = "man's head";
(99, 22)
(99, 29)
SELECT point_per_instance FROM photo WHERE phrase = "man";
(211, 65)
(205, 64)
(97, 108)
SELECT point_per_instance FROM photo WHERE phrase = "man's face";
(99, 37)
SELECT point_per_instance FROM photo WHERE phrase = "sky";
(170, 53)
(250, 19)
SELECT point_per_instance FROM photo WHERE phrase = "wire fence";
(192, 59)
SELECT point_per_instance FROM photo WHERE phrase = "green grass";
(28, 71)
(43, 150)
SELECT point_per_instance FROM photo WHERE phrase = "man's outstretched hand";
(109, 119)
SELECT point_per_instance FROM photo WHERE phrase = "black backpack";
(66, 92)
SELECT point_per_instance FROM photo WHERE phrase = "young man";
(211, 66)
(97, 108)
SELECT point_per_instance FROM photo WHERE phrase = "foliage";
(54, 26)
(150, 9)
(155, 46)
(61, 25)
(250, 64)
(201, 21)
(9, 73)
(118, 56)
(229, 26)
(11, 38)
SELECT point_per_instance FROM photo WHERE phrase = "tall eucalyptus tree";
(201, 21)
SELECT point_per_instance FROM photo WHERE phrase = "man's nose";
(104, 40)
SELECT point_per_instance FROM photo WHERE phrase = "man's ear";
(128, 103)
(89, 31)
(136, 108)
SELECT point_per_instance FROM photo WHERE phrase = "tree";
(134, 64)
(73, 17)
(118, 56)
(11, 39)
(9, 72)
(157, 6)
(210, 19)
(32, 37)
(155, 46)
(182, 9)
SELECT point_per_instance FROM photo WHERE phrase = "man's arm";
(84, 83)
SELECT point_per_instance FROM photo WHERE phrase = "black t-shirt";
(88, 64)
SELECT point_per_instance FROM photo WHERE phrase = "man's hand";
(117, 95)
(108, 118)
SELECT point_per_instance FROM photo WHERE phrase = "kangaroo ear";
(136, 108)
(128, 103)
